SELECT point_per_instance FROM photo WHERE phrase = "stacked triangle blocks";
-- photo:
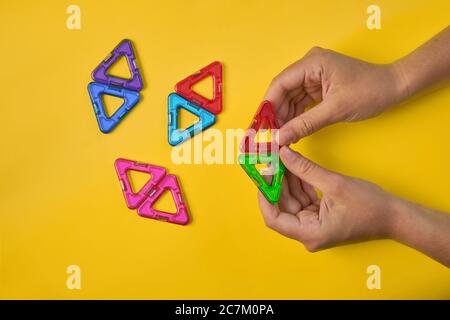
(128, 89)
(263, 153)
(105, 84)
(145, 198)
(186, 98)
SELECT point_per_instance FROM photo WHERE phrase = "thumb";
(307, 123)
(308, 171)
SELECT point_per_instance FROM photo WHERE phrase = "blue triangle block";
(105, 123)
(177, 136)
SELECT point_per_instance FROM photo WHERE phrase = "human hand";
(349, 210)
(346, 89)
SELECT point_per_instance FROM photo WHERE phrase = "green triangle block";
(248, 163)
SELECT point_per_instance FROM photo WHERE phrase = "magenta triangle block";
(133, 200)
(169, 183)
(100, 74)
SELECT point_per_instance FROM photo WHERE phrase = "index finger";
(289, 79)
(284, 223)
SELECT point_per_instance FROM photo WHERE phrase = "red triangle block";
(133, 200)
(184, 88)
(264, 119)
(169, 183)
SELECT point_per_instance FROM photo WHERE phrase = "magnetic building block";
(147, 196)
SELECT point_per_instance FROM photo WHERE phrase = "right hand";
(346, 89)
(350, 209)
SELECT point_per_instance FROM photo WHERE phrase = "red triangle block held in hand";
(264, 119)
(132, 199)
(184, 88)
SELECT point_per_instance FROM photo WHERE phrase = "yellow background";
(61, 203)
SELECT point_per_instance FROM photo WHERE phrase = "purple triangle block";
(100, 74)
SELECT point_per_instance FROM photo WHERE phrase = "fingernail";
(287, 153)
(286, 136)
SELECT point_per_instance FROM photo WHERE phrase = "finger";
(295, 98)
(281, 222)
(282, 112)
(308, 171)
(301, 104)
(313, 207)
(308, 217)
(296, 190)
(307, 123)
(288, 203)
(286, 110)
(289, 79)
(269, 211)
(310, 191)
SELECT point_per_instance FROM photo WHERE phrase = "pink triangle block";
(133, 200)
(170, 183)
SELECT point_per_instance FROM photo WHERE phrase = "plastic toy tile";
(134, 199)
(177, 136)
(264, 119)
(270, 191)
(100, 74)
(184, 88)
(105, 123)
(169, 183)
(147, 196)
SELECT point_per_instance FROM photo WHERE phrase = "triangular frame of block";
(135, 199)
(169, 183)
(270, 191)
(100, 74)
(105, 123)
(264, 118)
(184, 88)
(177, 136)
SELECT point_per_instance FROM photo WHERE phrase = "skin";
(344, 89)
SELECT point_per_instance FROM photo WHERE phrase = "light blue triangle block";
(177, 136)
